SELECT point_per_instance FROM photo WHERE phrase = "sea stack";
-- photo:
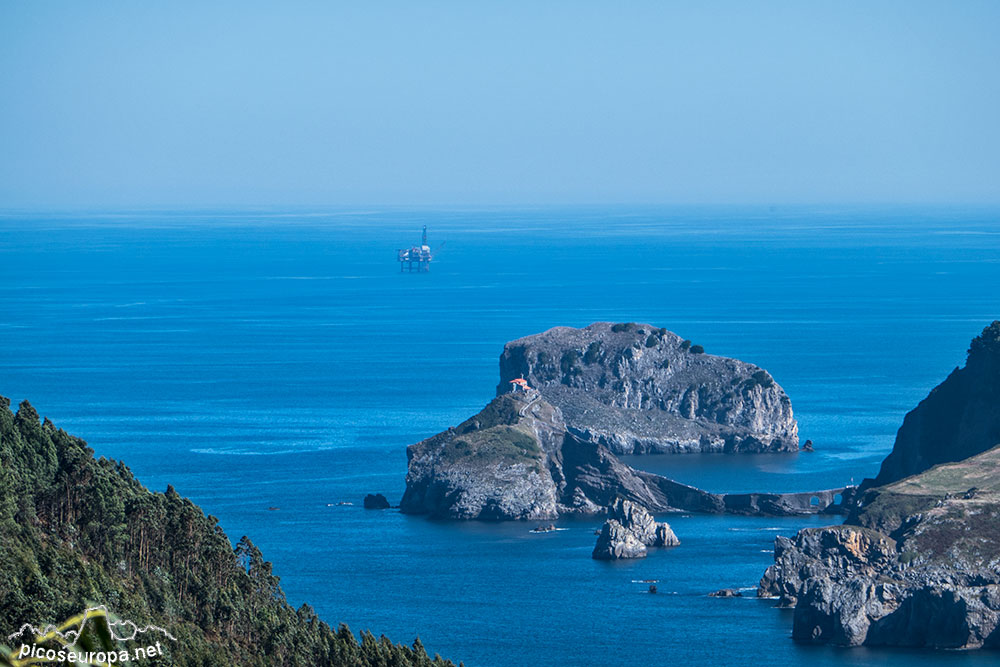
(628, 530)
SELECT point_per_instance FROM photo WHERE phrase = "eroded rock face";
(917, 561)
(917, 564)
(636, 389)
(958, 419)
(616, 541)
(817, 553)
(628, 530)
(496, 465)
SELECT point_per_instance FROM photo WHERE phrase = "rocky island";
(638, 389)
(519, 458)
(917, 561)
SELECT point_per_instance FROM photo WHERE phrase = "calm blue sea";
(259, 359)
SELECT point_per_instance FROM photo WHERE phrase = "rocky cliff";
(498, 464)
(517, 459)
(917, 561)
(917, 564)
(958, 419)
(635, 388)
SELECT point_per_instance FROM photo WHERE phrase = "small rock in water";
(273, 509)
(726, 593)
(807, 446)
(376, 502)
(652, 589)
(629, 530)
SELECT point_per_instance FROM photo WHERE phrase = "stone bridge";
(674, 495)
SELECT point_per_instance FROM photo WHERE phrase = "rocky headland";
(917, 565)
(516, 459)
(958, 419)
(636, 389)
(917, 561)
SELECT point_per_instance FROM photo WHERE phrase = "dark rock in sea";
(726, 593)
(960, 418)
(376, 502)
(807, 446)
(516, 459)
(652, 589)
(635, 389)
(628, 530)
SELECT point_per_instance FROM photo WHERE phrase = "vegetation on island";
(496, 435)
(76, 531)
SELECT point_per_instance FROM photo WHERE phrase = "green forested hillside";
(77, 531)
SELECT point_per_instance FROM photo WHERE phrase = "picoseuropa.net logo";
(95, 637)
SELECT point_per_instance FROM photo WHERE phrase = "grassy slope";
(950, 513)
(496, 435)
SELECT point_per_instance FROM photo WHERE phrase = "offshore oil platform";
(418, 258)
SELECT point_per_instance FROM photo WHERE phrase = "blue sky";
(304, 103)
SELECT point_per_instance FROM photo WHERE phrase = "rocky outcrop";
(830, 552)
(517, 459)
(628, 530)
(917, 564)
(726, 593)
(376, 501)
(616, 541)
(495, 465)
(917, 561)
(635, 389)
(958, 419)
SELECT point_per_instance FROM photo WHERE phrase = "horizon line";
(352, 207)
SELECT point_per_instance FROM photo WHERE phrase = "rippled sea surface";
(258, 359)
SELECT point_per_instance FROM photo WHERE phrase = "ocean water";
(258, 359)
